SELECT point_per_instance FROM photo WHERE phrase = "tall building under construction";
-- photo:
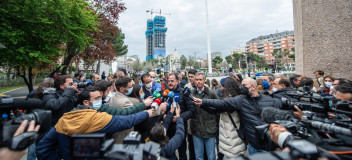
(155, 38)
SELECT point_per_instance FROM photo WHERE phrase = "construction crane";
(151, 13)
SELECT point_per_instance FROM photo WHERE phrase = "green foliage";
(183, 62)
(137, 66)
(259, 60)
(119, 46)
(35, 32)
(217, 60)
(234, 58)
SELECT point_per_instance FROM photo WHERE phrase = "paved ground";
(18, 93)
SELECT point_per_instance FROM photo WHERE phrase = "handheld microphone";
(156, 103)
(187, 92)
(270, 114)
(165, 93)
(156, 95)
(155, 92)
(170, 96)
(176, 100)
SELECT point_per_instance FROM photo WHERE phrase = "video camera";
(298, 149)
(9, 125)
(316, 104)
(80, 84)
(96, 146)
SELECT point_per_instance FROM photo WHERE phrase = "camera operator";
(295, 79)
(344, 91)
(85, 119)
(6, 153)
(249, 105)
(104, 87)
(158, 133)
(60, 99)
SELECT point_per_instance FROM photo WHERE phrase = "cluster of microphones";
(169, 97)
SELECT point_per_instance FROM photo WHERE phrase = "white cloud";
(232, 23)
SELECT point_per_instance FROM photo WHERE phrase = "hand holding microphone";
(156, 103)
(176, 100)
(187, 92)
(148, 101)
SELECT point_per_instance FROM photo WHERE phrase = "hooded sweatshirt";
(81, 122)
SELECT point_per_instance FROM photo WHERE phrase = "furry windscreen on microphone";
(270, 114)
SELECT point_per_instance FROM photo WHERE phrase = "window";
(271, 51)
(251, 43)
(289, 40)
(255, 49)
(291, 52)
(282, 41)
(265, 47)
(251, 50)
(270, 43)
(266, 51)
(290, 44)
(266, 54)
(265, 44)
(271, 47)
(283, 45)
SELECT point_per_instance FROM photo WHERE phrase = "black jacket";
(176, 141)
(59, 102)
(249, 108)
(187, 110)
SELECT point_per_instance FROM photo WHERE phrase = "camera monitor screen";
(86, 145)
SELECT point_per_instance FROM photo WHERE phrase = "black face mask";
(244, 90)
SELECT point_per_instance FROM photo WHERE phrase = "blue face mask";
(266, 84)
(129, 91)
(142, 96)
(97, 104)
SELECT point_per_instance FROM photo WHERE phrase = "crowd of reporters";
(210, 121)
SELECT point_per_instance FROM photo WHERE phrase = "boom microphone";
(270, 114)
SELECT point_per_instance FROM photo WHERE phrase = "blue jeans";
(199, 147)
(31, 155)
(252, 150)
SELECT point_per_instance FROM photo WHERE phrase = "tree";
(183, 62)
(38, 31)
(137, 66)
(119, 46)
(259, 61)
(217, 60)
(234, 58)
(103, 47)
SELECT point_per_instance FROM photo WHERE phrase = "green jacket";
(204, 124)
(119, 111)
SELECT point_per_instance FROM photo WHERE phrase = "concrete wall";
(323, 37)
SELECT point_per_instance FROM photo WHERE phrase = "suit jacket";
(121, 101)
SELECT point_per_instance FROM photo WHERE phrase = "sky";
(232, 23)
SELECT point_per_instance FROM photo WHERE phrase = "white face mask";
(274, 89)
(328, 84)
(149, 85)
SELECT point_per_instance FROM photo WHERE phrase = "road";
(18, 93)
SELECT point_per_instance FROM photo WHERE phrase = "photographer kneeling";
(158, 133)
(85, 119)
